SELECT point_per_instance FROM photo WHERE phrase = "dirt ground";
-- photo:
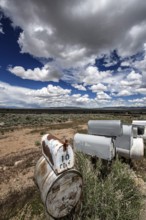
(19, 151)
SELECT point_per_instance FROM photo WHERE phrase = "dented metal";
(59, 183)
(59, 154)
(141, 127)
(129, 145)
(59, 193)
(102, 147)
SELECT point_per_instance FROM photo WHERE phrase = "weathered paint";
(129, 145)
(102, 147)
(59, 193)
(59, 154)
(137, 149)
(135, 131)
(124, 142)
(109, 128)
(140, 124)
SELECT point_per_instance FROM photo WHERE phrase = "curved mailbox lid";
(110, 128)
(102, 147)
(139, 122)
(59, 155)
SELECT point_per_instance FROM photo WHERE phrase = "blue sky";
(72, 53)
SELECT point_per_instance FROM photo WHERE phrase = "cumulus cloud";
(51, 96)
(74, 34)
(141, 91)
(124, 93)
(73, 31)
(50, 91)
(125, 64)
(92, 75)
(102, 96)
(14, 96)
(140, 102)
(141, 66)
(46, 73)
(98, 87)
(132, 79)
(79, 87)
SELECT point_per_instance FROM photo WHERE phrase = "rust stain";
(50, 137)
(72, 195)
(75, 178)
(55, 189)
(62, 207)
(65, 145)
(47, 152)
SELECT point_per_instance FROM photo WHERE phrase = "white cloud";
(79, 87)
(109, 61)
(134, 76)
(83, 99)
(98, 87)
(46, 73)
(57, 90)
(14, 96)
(1, 30)
(140, 102)
(1, 27)
(141, 91)
(102, 96)
(132, 79)
(51, 96)
(124, 93)
(55, 96)
(125, 64)
(50, 91)
(74, 31)
(74, 34)
(141, 66)
(92, 75)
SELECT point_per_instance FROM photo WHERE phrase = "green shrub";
(37, 143)
(42, 132)
(113, 198)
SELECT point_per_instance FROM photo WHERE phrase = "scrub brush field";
(110, 192)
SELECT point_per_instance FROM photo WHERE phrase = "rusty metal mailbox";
(59, 154)
(59, 183)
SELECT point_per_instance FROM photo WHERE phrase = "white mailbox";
(137, 149)
(135, 131)
(59, 183)
(59, 193)
(126, 139)
(110, 128)
(128, 146)
(59, 155)
(102, 147)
